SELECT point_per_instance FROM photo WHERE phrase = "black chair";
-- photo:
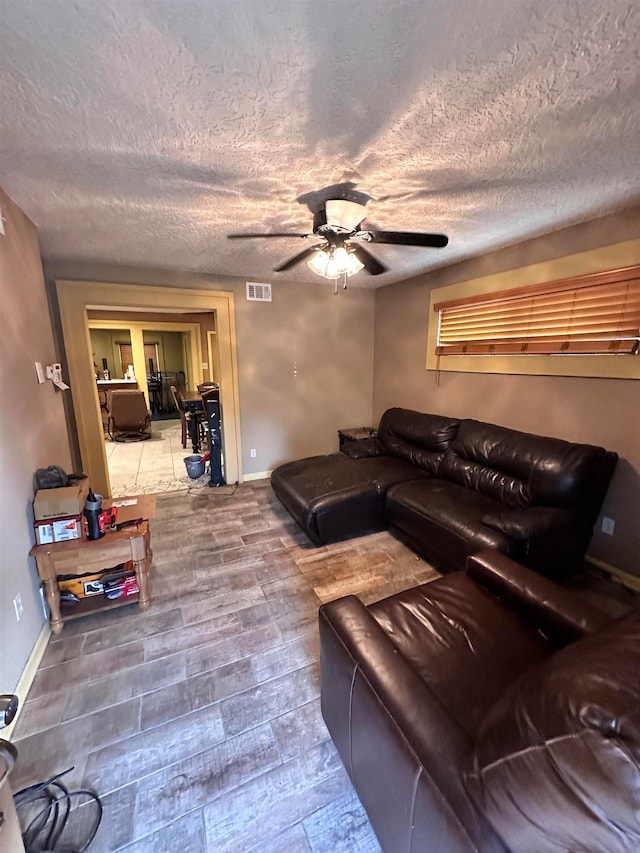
(177, 399)
(204, 387)
(186, 415)
(154, 385)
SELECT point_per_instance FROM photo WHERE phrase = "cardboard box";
(81, 586)
(122, 588)
(60, 503)
(58, 530)
(114, 583)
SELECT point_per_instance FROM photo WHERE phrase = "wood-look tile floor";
(198, 723)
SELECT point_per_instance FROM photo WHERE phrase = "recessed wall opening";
(165, 335)
(170, 356)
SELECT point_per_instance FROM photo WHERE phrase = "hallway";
(154, 466)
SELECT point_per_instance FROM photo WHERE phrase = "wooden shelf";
(94, 604)
(80, 556)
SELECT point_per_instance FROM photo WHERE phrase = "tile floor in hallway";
(154, 466)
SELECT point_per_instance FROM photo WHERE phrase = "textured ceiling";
(143, 132)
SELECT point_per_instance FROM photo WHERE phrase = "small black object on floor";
(44, 810)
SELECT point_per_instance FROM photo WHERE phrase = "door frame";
(75, 298)
(212, 355)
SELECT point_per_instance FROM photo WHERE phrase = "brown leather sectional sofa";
(489, 711)
(451, 488)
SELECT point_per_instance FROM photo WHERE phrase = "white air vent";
(258, 292)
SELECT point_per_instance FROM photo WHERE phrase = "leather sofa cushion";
(332, 497)
(519, 469)
(452, 632)
(364, 448)
(420, 439)
(536, 522)
(561, 748)
(448, 518)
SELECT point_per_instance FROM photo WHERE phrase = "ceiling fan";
(340, 247)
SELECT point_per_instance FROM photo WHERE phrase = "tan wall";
(170, 349)
(104, 344)
(305, 360)
(33, 433)
(597, 411)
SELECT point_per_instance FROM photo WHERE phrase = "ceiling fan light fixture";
(335, 262)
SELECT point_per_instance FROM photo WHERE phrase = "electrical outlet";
(252, 453)
(17, 606)
(608, 525)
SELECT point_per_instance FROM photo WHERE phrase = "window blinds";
(592, 314)
(126, 355)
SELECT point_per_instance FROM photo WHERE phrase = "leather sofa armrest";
(560, 614)
(532, 523)
(363, 673)
(349, 623)
(363, 448)
(548, 539)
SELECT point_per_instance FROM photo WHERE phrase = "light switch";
(39, 371)
(54, 372)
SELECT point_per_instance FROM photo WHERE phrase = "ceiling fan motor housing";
(323, 227)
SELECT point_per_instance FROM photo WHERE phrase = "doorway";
(170, 351)
(157, 353)
(78, 298)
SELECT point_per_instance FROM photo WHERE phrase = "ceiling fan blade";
(274, 234)
(408, 238)
(371, 264)
(297, 259)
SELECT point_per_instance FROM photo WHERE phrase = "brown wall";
(305, 360)
(33, 433)
(597, 411)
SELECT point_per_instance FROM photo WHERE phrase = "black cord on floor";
(210, 490)
(44, 831)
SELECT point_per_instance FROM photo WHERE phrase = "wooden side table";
(79, 556)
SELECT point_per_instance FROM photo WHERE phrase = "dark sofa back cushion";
(520, 469)
(418, 438)
(557, 758)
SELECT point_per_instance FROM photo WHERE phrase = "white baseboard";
(28, 674)
(625, 578)
(260, 475)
